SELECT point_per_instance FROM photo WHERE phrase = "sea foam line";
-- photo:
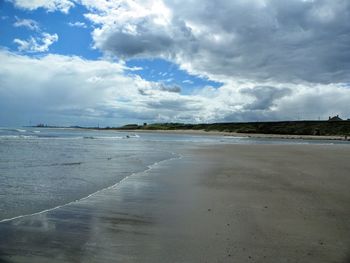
(149, 167)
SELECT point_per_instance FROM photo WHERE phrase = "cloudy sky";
(83, 62)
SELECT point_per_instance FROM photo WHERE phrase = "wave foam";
(149, 167)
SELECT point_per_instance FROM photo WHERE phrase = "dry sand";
(250, 135)
(233, 203)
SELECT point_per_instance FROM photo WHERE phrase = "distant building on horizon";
(334, 118)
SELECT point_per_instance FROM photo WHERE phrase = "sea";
(42, 169)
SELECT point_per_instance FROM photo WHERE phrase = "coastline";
(235, 134)
(217, 203)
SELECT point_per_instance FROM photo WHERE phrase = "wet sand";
(227, 203)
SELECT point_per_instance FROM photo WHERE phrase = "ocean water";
(42, 168)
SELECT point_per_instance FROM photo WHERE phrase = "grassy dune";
(281, 127)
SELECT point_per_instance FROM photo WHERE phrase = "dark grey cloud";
(173, 88)
(144, 39)
(175, 104)
(142, 92)
(149, 39)
(159, 87)
(264, 96)
(284, 41)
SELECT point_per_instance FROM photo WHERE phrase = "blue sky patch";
(72, 40)
(160, 70)
(77, 40)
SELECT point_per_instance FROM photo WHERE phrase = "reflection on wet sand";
(237, 203)
(89, 231)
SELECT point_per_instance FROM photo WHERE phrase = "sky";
(110, 63)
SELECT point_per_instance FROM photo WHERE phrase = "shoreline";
(247, 135)
(263, 203)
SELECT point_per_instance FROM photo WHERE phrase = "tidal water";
(42, 168)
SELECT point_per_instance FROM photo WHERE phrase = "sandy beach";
(215, 203)
(248, 135)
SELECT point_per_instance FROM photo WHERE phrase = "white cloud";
(50, 5)
(253, 40)
(77, 24)
(36, 44)
(55, 87)
(28, 23)
(277, 60)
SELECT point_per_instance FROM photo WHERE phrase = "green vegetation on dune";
(282, 127)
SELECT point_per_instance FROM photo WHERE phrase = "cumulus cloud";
(264, 96)
(277, 60)
(255, 40)
(258, 40)
(27, 23)
(136, 28)
(36, 44)
(80, 91)
(50, 5)
(60, 85)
